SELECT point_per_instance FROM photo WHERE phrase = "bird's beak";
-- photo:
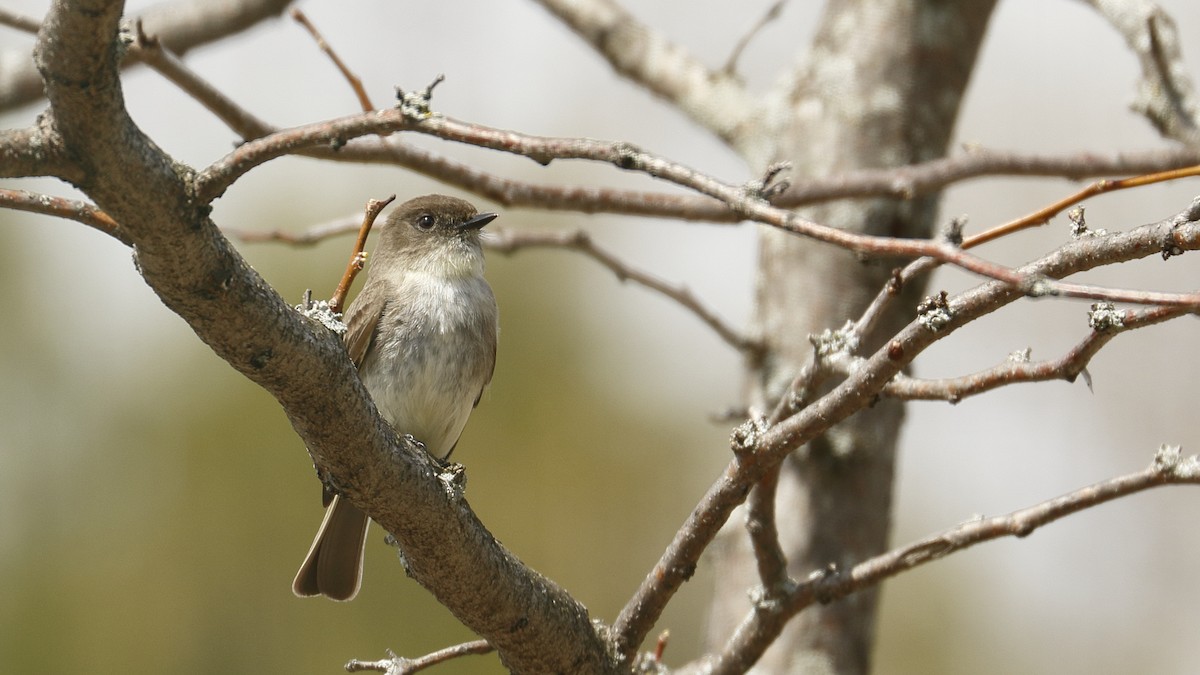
(477, 221)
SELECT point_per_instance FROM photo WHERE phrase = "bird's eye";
(425, 221)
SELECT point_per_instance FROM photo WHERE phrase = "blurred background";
(154, 504)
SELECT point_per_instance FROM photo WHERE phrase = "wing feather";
(362, 325)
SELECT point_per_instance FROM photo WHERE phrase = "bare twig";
(901, 182)
(1042, 216)
(716, 101)
(764, 536)
(1166, 94)
(1018, 368)
(398, 665)
(760, 627)
(355, 81)
(88, 214)
(183, 25)
(771, 14)
(309, 237)
(760, 449)
(357, 257)
(506, 241)
(151, 50)
(211, 182)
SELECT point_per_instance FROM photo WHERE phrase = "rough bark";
(880, 87)
(535, 626)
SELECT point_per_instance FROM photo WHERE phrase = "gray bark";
(881, 87)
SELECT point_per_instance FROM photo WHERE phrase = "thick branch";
(535, 625)
(35, 151)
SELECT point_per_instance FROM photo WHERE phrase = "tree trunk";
(881, 87)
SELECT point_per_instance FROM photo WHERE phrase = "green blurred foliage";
(157, 503)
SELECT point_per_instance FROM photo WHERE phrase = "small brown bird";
(422, 333)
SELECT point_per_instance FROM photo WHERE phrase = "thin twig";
(1042, 216)
(213, 181)
(901, 182)
(183, 25)
(758, 451)
(1019, 369)
(398, 665)
(764, 535)
(82, 212)
(314, 235)
(355, 81)
(152, 52)
(357, 257)
(761, 626)
(771, 14)
(505, 241)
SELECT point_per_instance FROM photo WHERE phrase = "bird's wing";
(362, 325)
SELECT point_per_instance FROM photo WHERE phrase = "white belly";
(438, 360)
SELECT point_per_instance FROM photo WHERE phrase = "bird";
(422, 333)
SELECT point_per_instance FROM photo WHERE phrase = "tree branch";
(1018, 368)
(213, 181)
(23, 200)
(507, 241)
(534, 624)
(398, 665)
(900, 182)
(35, 151)
(767, 619)
(758, 450)
(715, 100)
(183, 25)
(1166, 95)
(364, 100)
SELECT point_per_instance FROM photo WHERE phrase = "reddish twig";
(660, 646)
(357, 257)
(355, 81)
(1042, 216)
